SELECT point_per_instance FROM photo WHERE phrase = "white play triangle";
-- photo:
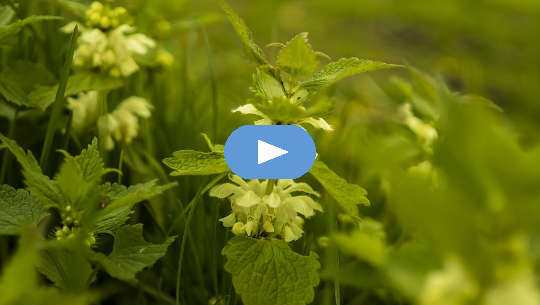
(267, 152)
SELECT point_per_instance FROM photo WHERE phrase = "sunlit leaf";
(268, 272)
(347, 195)
(191, 162)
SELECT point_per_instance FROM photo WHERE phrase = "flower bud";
(238, 229)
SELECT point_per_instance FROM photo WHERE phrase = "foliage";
(424, 190)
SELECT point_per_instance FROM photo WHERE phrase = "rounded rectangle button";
(270, 151)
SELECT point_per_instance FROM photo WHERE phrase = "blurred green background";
(487, 48)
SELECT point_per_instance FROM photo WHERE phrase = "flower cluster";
(122, 125)
(259, 209)
(107, 45)
(105, 17)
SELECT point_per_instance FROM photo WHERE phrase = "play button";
(267, 152)
(270, 151)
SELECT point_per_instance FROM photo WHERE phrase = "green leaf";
(119, 200)
(18, 208)
(68, 270)
(191, 162)
(297, 57)
(340, 69)
(266, 86)
(74, 7)
(19, 281)
(367, 243)
(37, 183)
(131, 253)
(79, 175)
(6, 14)
(268, 272)
(44, 96)
(253, 50)
(19, 78)
(347, 195)
(6, 31)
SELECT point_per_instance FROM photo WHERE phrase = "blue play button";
(270, 151)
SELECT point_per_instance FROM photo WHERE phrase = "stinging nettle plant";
(266, 215)
(88, 212)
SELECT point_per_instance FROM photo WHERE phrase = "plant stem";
(213, 82)
(59, 101)
(193, 205)
(120, 161)
(7, 155)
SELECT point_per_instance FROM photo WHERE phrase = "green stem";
(102, 109)
(120, 161)
(213, 82)
(59, 101)
(192, 206)
(7, 155)
(68, 131)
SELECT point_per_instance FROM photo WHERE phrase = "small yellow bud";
(94, 18)
(114, 72)
(119, 11)
(164, 58)
(105, 22)
(96, 6)
(324, 241)
(115, 22)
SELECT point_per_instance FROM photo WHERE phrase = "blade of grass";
(192, 205)
(213, 82)
(59, 101)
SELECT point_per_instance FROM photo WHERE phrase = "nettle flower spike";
(260, 212)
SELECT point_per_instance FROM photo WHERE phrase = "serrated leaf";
(268, 272)
(43, 96)
(253, 50)
(191, 162)
(7, 31)
(119, 202)
(36, 182)
(19, 281)
(80, 174)
(347, 195)
(18, 208)
(67, 269)
(340, 69)
(131, 253)
(266, 86)
(297, 57)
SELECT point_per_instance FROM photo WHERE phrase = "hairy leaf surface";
(297, 57)
(340, 69)
(131, 253)
(17, 209)
(37, 183)
(268, 272)
(253, 50)
(191, 162)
